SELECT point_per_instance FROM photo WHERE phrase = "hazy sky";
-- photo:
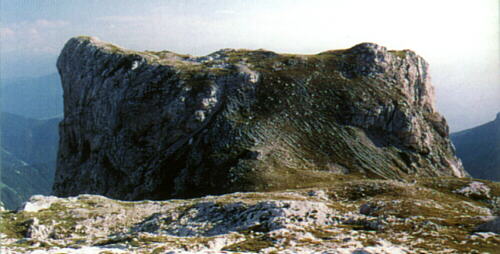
(460, 39)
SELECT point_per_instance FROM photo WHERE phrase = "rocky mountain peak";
(369, 58)
(156, 125)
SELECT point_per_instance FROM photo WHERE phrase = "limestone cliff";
(156, 125)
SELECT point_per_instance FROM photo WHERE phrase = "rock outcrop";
(157, 125)
(350, 216)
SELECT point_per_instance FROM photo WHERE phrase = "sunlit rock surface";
(157, 125)
(430, 215)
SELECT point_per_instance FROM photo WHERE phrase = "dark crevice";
(85, 152)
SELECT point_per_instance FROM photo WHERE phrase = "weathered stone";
(424, 217)
(209, 219)
(157, 125)
(38, 202)
(476, 190)
(371, 208)
(38, 231)
(493, 225)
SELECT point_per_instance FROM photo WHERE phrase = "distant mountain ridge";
(32, 109)
(479, 149)
(28, 149)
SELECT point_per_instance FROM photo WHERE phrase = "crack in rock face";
(158, 125)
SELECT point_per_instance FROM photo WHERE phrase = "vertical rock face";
(155, 125)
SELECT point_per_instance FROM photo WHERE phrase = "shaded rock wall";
(158, 125)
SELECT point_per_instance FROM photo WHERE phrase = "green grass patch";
(251, 245)
(14, 225)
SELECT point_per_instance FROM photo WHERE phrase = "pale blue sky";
(460, 39)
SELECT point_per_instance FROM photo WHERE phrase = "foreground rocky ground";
(430, 215)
